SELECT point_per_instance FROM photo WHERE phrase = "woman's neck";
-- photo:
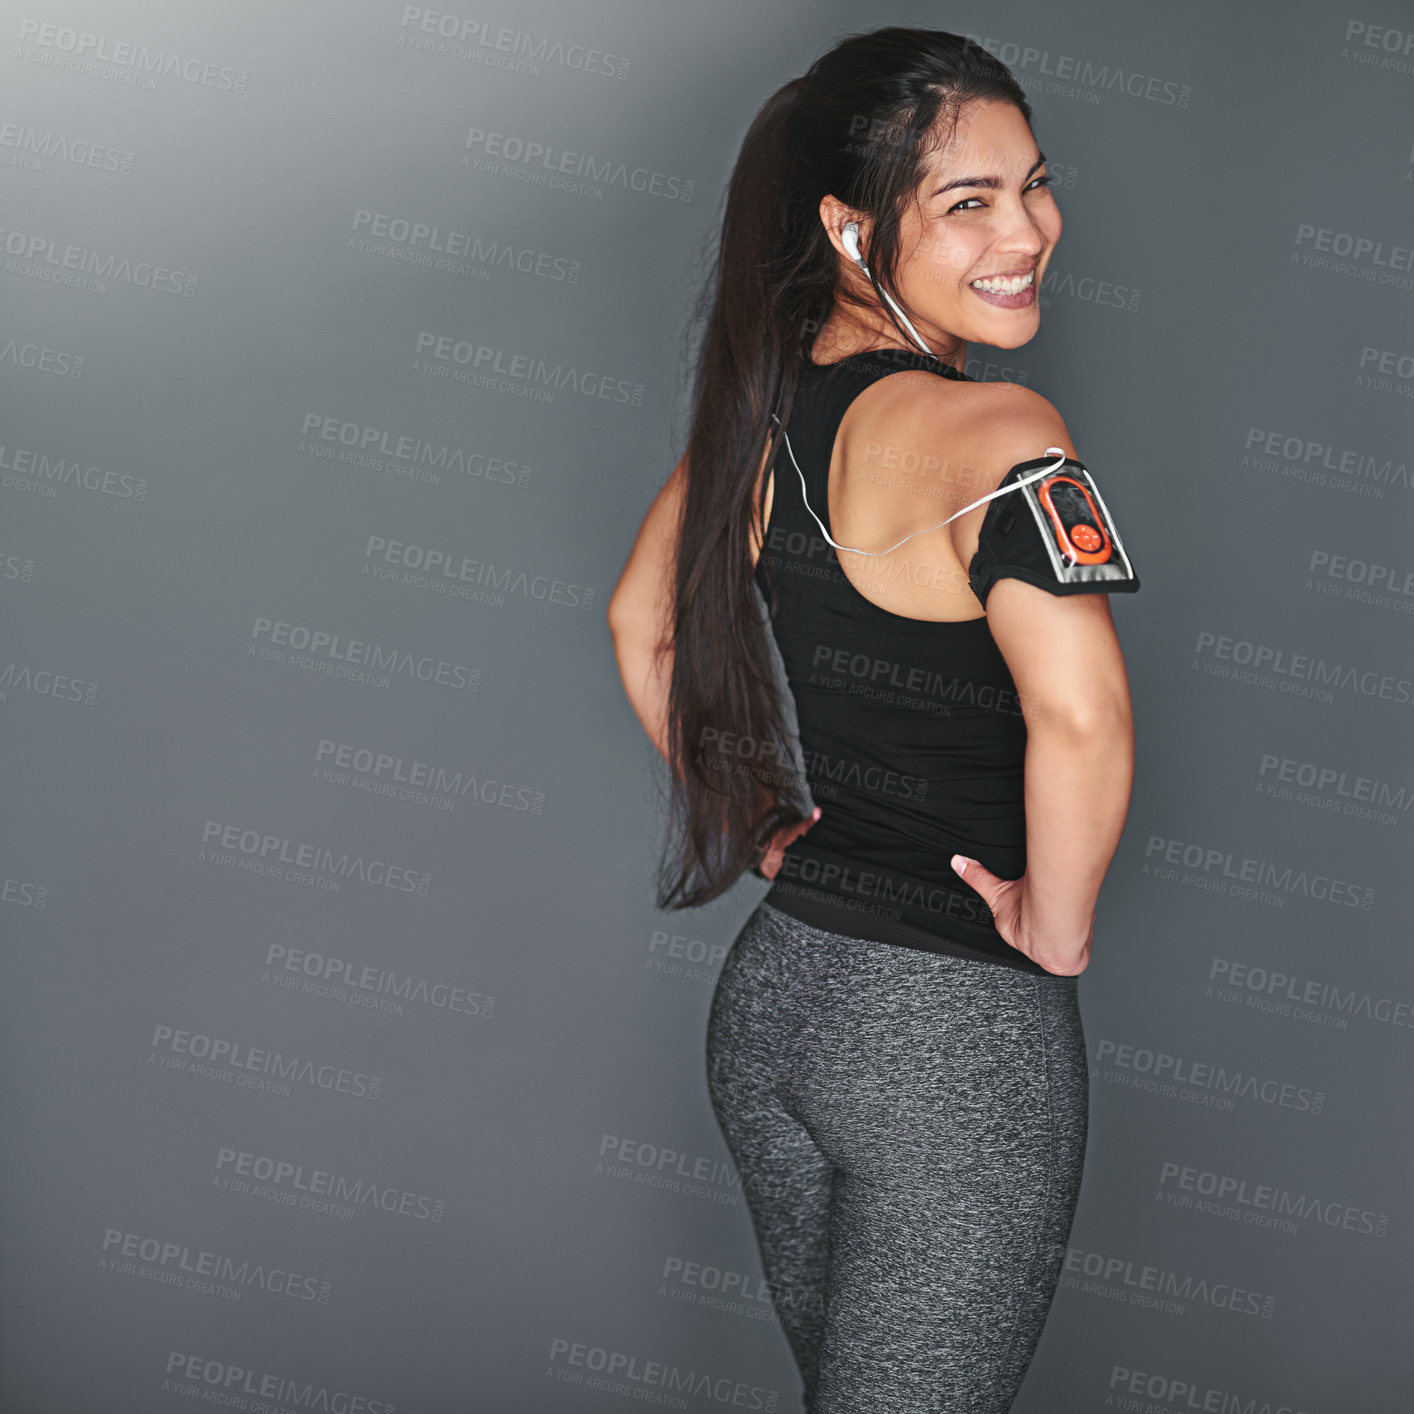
(838, 340)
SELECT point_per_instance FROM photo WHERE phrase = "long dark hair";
(855, 125)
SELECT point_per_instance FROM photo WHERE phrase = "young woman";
(877, 583)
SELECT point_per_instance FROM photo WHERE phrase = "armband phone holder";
(1057, 533)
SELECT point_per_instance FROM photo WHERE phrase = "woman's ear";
(835, 216)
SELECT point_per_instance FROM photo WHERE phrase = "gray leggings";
(910, 1132)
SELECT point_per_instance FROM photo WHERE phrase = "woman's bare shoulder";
(986, 428)
(1015, 423)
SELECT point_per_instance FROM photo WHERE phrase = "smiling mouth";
(1004, 284)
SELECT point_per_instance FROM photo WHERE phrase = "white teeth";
(1013, 286)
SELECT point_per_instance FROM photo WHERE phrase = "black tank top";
(910, 730)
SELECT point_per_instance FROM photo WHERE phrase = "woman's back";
(909, 721)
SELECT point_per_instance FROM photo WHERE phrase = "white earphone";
(850, 239)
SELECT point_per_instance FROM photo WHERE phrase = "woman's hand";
(775, 854)
(1005, 898)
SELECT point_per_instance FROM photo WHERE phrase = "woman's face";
(983, 209)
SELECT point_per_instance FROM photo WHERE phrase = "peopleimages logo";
(300, 646)
(1378, 257)
(19, 568)
(1361, 581)
(44, 257)
(482, 42)
(660, 1166)
(85, 52)
(1241, 877)
(45, 682)
(20, 353)
(219, 1382)
(1171, 1071)
(382, 233)
(1090, 289)
(725, 1288)
(48, 469)
(1332, 788)
(398, 777)
(1139, 1284)
(526, 375)
(1260, 1204)
(621, 1372)
(1073, 75)
(887, 893)
(577, 172)
(1323, 463)
(826, 774)
(677, 955)
(234, 1062)
(375, 987)
(447, 571)
(1185, 1394)
(1303, 998)
(1269, 665)
(318, 1190)
(23, 893)
(908, 684)
(401, 454)
(176, 1264)
(297, 861)
(33, 148)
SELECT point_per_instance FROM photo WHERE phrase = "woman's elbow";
(619, 615)
(631, 622)
(1093, 716)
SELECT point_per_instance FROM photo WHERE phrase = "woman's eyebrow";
(992, 182)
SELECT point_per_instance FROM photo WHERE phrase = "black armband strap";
(1054, 532)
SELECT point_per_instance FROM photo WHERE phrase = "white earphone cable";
(1000, 491)
(850, 238)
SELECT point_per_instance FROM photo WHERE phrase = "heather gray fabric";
(910, 1131)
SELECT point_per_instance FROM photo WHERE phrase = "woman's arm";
(1066, 661)
(640, 611)
(640, 620)
(1069, 672)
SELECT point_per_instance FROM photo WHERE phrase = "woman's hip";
(906, 1064)
(891, 1010)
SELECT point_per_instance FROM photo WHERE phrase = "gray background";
(495, 1178)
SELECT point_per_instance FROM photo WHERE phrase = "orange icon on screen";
(1076, 520)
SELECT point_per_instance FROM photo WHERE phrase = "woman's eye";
(1039, 182)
